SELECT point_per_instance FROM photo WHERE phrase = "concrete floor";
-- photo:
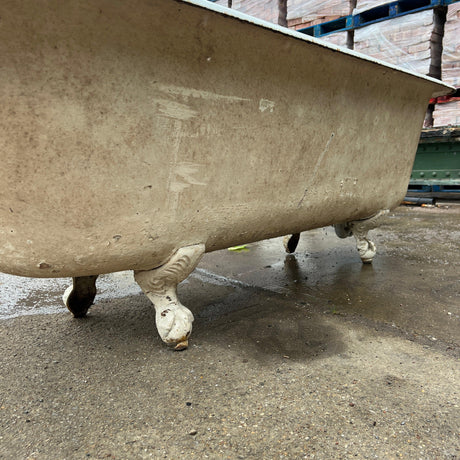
(311, 355)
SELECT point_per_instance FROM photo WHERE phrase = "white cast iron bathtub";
(138, 134)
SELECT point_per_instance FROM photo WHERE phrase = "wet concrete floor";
(310, 355)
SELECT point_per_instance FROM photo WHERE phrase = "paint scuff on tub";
(173, 109)
(197, 93)
(184, 173)
(266, 105)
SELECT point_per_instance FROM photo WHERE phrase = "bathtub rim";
(444, 88)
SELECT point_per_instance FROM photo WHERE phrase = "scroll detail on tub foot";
(80, 295)
(359, 229)
(173, 320)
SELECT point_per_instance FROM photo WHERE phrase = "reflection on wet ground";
(412, 285)
(309, 355)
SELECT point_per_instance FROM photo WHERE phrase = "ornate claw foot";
(290, 242)
(174, 321)
(366, 248)
(359, 230)
(80, 296)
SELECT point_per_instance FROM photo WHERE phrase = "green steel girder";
(438, 159)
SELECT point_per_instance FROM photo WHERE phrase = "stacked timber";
(402, 41)
(306, 13)
(448, 112)
(261, 9)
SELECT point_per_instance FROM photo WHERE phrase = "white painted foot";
(173, 320)
(66, 295)
(359, 229)
(366, 249)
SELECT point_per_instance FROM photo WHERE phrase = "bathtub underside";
(174, 320)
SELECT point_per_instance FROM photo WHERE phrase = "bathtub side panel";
(124, 137)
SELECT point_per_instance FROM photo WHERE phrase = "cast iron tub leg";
(80, 296)
(173, 320)
(290, 242)
(359, 229)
